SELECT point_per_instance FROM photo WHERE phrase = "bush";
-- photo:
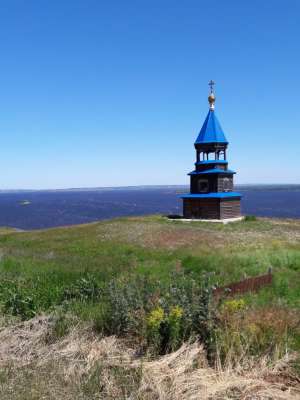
(164, 331)
(19, 304)
(174, 326)
(158, 315)
(233, 305)
(250, 218)
(84, 289)
(174, 216)
(125, 307)
(155, 320)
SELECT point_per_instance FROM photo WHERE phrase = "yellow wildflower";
(232, 306)
(156, 317)
(176, 312)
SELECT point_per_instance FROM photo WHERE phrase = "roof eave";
(208, 172)
(216, 142)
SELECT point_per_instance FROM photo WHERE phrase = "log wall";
(230, 208)
(211, 208)
(201, 208)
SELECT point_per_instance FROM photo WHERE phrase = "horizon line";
(94, 188)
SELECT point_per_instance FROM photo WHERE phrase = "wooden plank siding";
(211, 208)
(201, 208)
(230, 208)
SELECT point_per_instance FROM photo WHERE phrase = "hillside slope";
(141, 288)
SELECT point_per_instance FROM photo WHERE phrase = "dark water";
(43, 209)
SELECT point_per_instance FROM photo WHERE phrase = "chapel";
(212, 194)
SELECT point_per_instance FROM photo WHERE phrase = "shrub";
(154, 324)
(250, 218)
(164, 330)
(174, 216)
(84, 289)
(233, 306)
(157, 314)
(19, 304)
(126, 300)
(174, 322)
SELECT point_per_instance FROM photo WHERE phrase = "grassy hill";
(148, 282)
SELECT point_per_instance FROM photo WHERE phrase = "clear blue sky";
(110, 93)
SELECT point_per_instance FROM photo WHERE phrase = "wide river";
(43, 209)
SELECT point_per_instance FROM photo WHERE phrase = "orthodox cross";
(211, 85)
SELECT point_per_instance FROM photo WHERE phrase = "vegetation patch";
(149, 283)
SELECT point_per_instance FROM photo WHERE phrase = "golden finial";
(211, 97)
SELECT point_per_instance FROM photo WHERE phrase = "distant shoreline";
(41, 209)
(241, 186)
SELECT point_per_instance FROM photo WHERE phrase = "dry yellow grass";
(62, 370)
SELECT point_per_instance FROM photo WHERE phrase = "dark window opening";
(203, 186)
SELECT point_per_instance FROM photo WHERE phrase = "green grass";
(47, 262)
(72, 270)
